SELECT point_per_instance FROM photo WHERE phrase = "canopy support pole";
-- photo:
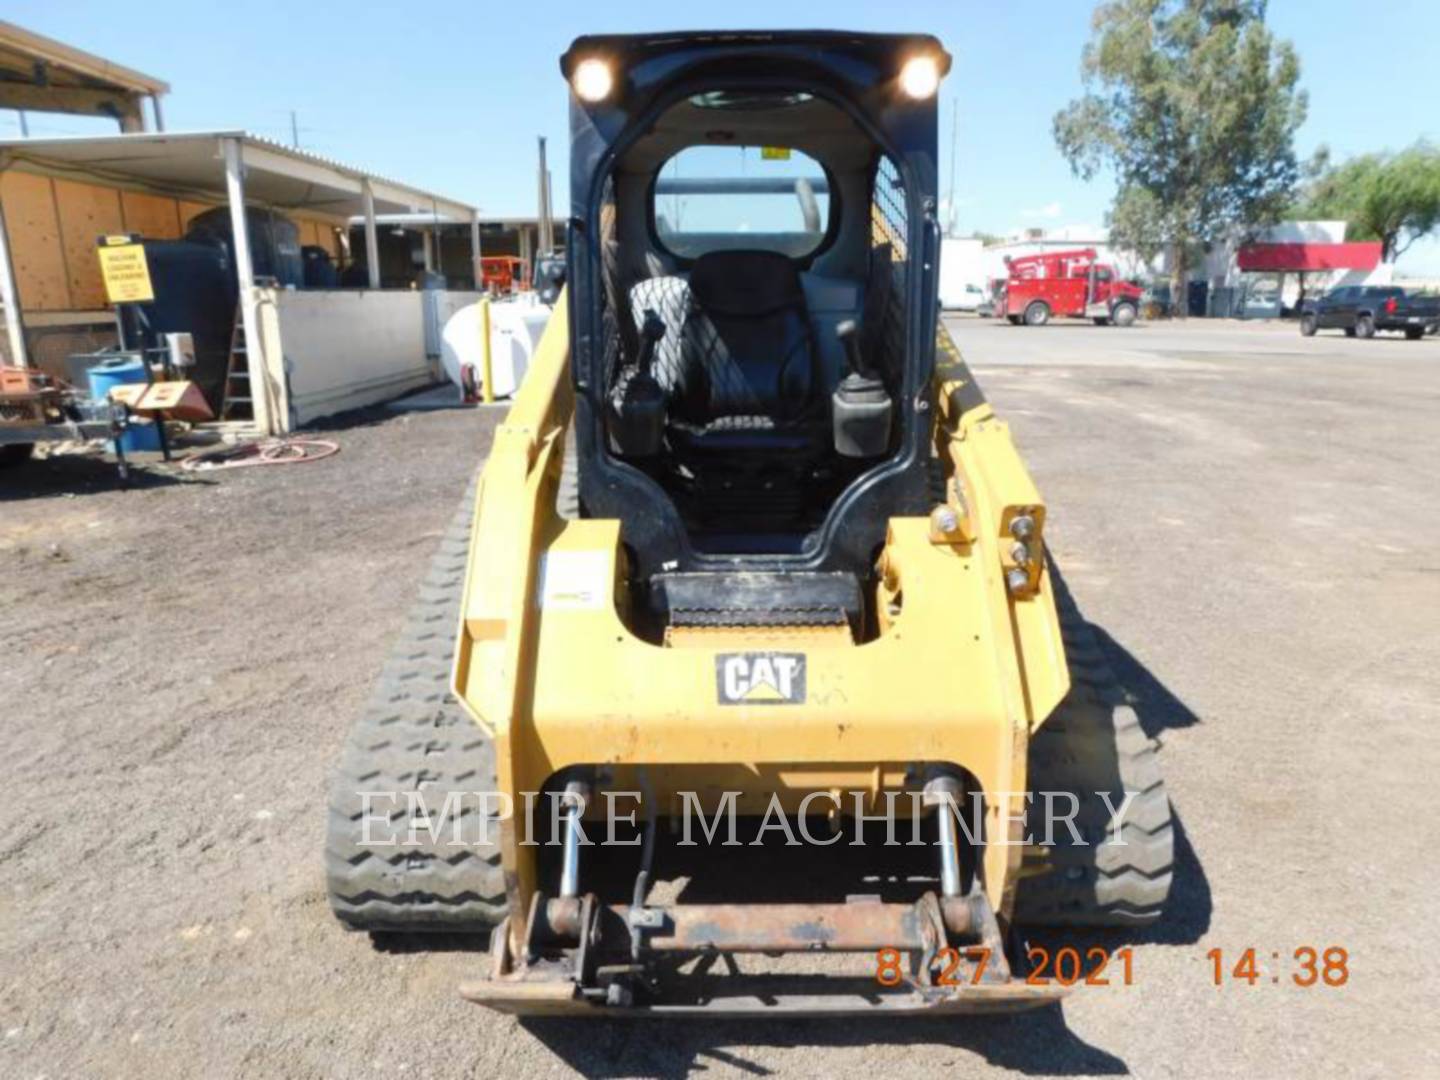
(10, 299)
(372, 240)
(245, 280)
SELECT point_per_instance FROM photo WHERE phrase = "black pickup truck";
(1360, 310)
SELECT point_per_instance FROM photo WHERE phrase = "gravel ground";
(1249, 517)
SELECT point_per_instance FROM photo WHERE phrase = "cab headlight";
(920, 77)
(593, 79)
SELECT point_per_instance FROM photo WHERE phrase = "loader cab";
(752, 274)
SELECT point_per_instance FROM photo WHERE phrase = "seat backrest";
(668, 295)
(746, 347)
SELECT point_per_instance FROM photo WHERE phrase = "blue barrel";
(118, 372)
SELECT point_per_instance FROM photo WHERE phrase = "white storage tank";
(515, 327)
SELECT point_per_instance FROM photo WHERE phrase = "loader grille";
(812, 616)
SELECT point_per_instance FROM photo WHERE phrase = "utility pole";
(24, 124)
(544, 234)
(294, 131)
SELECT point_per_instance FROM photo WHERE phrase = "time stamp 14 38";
(1304, 966)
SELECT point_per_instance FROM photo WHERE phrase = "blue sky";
(450, 98)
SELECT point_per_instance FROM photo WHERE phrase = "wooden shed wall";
(53, 225)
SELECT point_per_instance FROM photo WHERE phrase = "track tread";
(414, 735)
(1094, 743)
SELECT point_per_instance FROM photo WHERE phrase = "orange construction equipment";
(503, 274)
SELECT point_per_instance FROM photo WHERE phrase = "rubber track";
(414, 735)
(1094, 743)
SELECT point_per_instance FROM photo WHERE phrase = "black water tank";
(320, 272)
(274, 241)
(194, 285)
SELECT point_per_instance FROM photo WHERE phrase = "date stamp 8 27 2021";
(1068, 966)
(1304, 966)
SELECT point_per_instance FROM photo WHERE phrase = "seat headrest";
(745, 283)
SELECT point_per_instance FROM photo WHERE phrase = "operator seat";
(746, 374)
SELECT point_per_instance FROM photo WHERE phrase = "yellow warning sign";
(774, 153)
(126, 273)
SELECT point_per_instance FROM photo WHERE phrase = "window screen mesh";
(884, 334)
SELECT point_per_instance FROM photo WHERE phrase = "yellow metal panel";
(548, 667)
(995, 487)
(595, 694)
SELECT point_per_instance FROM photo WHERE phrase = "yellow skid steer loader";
(760, 660)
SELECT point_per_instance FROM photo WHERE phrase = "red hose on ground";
(264, 452)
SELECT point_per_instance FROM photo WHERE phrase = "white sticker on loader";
(760, 678)
(574, 580)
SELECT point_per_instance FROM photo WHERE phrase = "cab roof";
(883, 51)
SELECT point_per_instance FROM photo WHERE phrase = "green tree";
(1393, 198)
(1194, 105)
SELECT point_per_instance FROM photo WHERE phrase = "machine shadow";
(368, 416)
(1037, 1043)
(1158, 708)
(69, 475)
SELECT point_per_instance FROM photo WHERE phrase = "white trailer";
(962, 273)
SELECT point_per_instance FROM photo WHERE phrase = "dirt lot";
(1251, 518)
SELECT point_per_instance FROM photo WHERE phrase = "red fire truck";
(1067, 283)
